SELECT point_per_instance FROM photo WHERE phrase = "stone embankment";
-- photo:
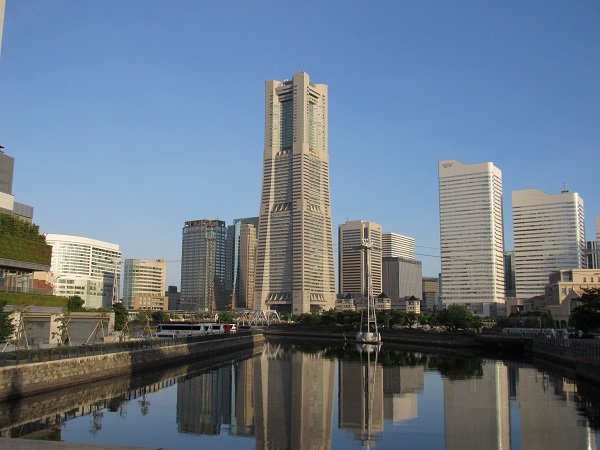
(38, 378)
(579, 356)
(409, 338)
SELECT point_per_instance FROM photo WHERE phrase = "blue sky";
(128, 117)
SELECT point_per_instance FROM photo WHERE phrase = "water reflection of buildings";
(541, 408)
(393, 396)
(354, 408)
(400, 392)
(294, 403)
(476, 410)
(204, 402)
(548, 411)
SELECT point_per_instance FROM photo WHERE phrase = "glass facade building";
(203, 266)
(240, 261)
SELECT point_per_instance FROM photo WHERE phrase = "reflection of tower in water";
(361, 396)
(294, 399)
(204, 402)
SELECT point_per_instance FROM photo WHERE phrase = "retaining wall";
(38, 378)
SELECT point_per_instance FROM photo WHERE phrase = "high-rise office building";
(509, 273)
(397, 246)
(352, 260)
(471, 234)
(402, 277)
(7, 200)
(597, 259)
(240, 262)
(549, 235)
(2, 6)
(247, 267)
(87, 268)
(174, 297)
(294, 263)
(144, 283)
(591, 254)
(203, 266)
(431, 293)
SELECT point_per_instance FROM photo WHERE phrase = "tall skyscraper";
(352, 265)
(397, 246)
(591, 253)
(203, 266)
(2, 6)
(471, 234)
(240, 261)
(294, 264)
(144, 284)
(597, 243)
(509, 273)
(549, 235)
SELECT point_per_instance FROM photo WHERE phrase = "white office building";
(395, 245)
(144, 283)
(471, 235)
(85, 267)
(549, 235)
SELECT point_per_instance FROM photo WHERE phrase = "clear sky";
(127, 118)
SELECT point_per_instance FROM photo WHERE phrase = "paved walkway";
(29, 444)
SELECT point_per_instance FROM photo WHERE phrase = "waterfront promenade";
(23, 380)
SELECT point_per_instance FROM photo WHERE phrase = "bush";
(22, 241)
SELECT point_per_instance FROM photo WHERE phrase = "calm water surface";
(297, 397)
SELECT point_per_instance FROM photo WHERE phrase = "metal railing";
(25, 356)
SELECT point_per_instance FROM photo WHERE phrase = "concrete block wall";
(37, 378)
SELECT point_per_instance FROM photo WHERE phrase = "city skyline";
(89, 115)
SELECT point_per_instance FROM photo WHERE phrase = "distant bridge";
(259, 317)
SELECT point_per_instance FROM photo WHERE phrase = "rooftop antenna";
(565, 190)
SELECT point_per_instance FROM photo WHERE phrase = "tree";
(7, 327)
(547, 320)
(411, 319)
(586, 315)
(160, 316)
(457, 317)
(225, 317)
(75, 304)
(142, 317)
(120, 316)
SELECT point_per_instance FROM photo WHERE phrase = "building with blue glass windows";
(203, 266)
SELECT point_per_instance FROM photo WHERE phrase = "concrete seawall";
(38, 378)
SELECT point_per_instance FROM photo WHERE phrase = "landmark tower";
(294, 264)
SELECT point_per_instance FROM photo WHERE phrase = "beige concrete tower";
(294, 264)
(2, 7)
(352, 273)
